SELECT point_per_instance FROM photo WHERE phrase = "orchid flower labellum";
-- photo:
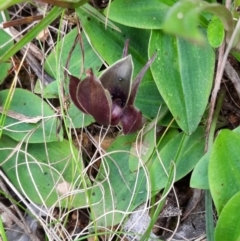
(110, 98)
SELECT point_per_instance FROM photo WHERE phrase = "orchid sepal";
(110, 98)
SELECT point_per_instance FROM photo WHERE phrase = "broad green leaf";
(199, 178)
(96, 14)
(45, 173)
(148, 95)
(109, 43)
(183, 18)
(167, 120)
(48, 92)
(228, 224)
(224, 168)
(236, 55)
(138, 14)
(215, 32)
(78, 118)
(120, 189)
(185, 151)
(183, 73)
(220, 11)
(237, 130)
(75, 118)
(171, 133)
(57, 59)
(5, 44)
(142, 149)
(123, 190)
(31, 106)
(145, 144)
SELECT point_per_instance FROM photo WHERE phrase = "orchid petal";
(94, 99)
(125, 49)
(116, 112)
(73, 85)
(117, 79)
(110, 98)
(138, 80)
(131, 120)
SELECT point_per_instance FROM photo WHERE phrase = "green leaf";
(138, 14)
(96, 14)
(31, 106)
(236, 55)
(183, 73)
(215, 32)
(185, 151)
(171, 133)
(6, 43)
(120, 189)
(78, 118)
(224, 168)
(183, 18)
(199, 178)
(109, 43)
(142, 150)
(228, 225)
(39, 170)
(123, 190)
(167, 120)
(148, 95)
(237, 130)
(57, 59)
(48, 92)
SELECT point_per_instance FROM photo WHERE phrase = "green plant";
(136, 167)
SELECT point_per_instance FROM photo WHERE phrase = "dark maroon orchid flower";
(110, 98)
